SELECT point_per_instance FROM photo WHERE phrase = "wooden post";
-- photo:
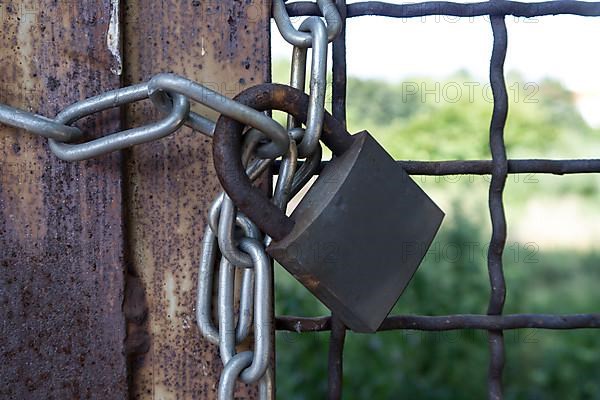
(170, 183)
(61, 233)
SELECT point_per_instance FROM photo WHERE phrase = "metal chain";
(228, 231)
(255, 291)
(170, 93)
(246, 250)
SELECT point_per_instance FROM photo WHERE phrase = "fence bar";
(338, 107)
(484, 167)
(454, 322)
(336, 356)
(499, 174)
(518, 9)
(499, 167)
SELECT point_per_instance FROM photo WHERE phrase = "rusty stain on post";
(171, 182)
(61, 236)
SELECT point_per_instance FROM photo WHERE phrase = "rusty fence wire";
(498, 167)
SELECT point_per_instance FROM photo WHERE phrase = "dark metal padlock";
(359, 234)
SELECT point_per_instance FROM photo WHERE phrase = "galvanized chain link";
(318, 83)
(300, 38)
(244, 249)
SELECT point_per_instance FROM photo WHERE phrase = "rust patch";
(61, 238)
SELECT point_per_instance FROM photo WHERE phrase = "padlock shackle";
(227, 147)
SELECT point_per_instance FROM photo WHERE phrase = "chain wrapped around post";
(243, 247)
(231, 239)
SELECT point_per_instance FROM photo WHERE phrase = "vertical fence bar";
(339, 67)
(338, 106)
(336, 358)
(496, 205)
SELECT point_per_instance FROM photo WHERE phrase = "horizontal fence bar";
(516, 8)
(484, 167)
(453, 322)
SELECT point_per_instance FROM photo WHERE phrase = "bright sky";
(563, 47)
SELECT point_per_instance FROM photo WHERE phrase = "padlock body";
(360, 234)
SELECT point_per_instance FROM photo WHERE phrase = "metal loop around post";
(302, 39)
(120, 140)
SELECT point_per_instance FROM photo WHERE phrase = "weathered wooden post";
(62, 328)
(170, 183)
(98, 259)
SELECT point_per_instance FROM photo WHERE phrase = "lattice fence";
(498, 167)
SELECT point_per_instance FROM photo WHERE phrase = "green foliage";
(449, 119)
(453, 365)
(412, 123)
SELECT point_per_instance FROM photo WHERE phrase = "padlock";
(358, 235)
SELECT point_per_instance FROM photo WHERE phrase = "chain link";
(303, 39)
(121, 140)
(318, 82)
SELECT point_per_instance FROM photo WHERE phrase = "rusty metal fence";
(498, 167)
